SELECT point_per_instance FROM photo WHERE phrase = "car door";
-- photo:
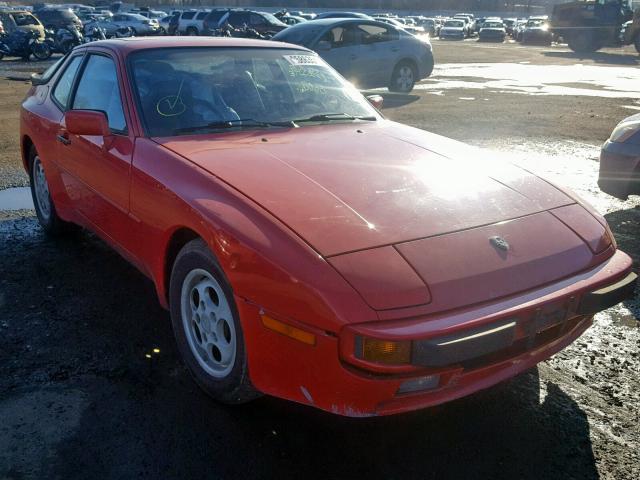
(340, 48)
(97, 169)
(379, 53)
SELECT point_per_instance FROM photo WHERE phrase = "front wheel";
(206, 325)
(404, 78)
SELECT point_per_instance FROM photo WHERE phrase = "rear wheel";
(206, 325)
(583, 42)
(42, 51)
(404, 77)
(45, 209)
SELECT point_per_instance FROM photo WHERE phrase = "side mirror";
(376, 101)
(36, 79)
(323, 46)
(87, 122)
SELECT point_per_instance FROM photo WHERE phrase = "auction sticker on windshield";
(302, 59)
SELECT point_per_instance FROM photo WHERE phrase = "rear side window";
(62, 89)
(98, 89)
(201, 16)
(188, 15)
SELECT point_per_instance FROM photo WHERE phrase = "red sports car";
(306, 247)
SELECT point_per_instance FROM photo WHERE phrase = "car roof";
(130, 44)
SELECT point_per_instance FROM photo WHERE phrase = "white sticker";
(302, 59)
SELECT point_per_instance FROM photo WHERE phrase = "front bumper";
(620, 169)
(523, 330)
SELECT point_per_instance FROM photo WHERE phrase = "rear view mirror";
(323, 46)
(376, 101)
(87, 122)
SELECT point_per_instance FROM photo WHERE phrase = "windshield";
(272, 19)
(492, 25)
(456, 24)
(24, 19)
(196, 90)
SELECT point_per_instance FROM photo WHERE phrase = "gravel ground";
(79, 399)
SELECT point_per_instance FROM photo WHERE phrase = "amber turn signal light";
(288, 330)
(384, 351)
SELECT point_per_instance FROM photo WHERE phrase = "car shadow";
(597, 57)
(81, 319)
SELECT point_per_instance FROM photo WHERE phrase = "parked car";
(169, 24)
(396, 23)
(291, 19)
(492, 31)
(56, 18)
(322, 15)
(411, 272)
(469, 24)
(518, 30)
(368, 53)
(13, 20)
(190, 22)
(264, 23)
(412, 29)
(620, 160)
(537, 31)
(126, 24)
(509, 24)
(138, 24)
(431, 27)
(453, 30)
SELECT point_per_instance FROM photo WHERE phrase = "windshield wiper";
(240, 123)
(329, 117)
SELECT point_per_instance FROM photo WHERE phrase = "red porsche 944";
(307, 247)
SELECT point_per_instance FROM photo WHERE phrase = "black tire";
(42, 51)
(235, 386)
(66, 47)
(192, 32)
(400, 81)
(50, 222)
(583, 42)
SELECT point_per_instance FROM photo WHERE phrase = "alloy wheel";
(41, 189)
(208, 323)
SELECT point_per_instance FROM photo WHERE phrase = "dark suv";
(55, 18)
(264, 23)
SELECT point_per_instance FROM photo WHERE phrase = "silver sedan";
(368, 53)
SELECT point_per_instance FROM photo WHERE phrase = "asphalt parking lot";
(80, 399)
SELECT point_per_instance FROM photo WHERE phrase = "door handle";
(64, 140)
(395, 49)
(353, 57)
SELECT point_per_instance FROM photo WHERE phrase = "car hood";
(353, 186)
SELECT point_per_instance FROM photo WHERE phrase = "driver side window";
(98, 89)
